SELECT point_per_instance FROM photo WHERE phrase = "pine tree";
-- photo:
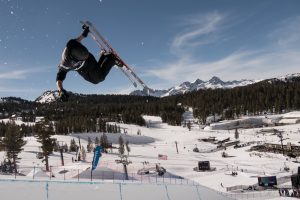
(89, 146)
(127, 147)
(56, 146)
(121, 146)
(236, 134)
(104, 142)
(73, 145)
(44, 131)
(13, 143)
(97, 142)
(65, 147)
(83, 153)
(1, 145)
(189, 125)
(123, 158)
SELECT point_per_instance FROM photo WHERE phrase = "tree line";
(92, 112)
(270, 96)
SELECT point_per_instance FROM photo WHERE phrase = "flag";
(162, 157)
(97, 155)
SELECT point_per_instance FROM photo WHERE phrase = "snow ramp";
(48, 190)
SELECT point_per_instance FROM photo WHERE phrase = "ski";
(122, 69)
(104, 45)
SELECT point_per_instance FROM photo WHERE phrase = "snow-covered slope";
(248, 165)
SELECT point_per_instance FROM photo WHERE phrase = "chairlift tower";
(123, 160)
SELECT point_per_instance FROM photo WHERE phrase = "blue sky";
(166, 42)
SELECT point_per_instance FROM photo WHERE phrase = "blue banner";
(97, 155)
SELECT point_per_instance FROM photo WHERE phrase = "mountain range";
(198, 84)
(213, 83)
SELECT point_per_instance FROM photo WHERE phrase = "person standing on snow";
(77, 57)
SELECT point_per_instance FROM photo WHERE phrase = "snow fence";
(48, 190)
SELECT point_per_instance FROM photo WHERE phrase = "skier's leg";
(95, 72)
(89, 72)
(106, 62)
(102, 56)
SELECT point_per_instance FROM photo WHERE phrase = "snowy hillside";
(177, 144)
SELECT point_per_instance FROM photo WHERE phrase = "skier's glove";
(63, 95)
(86, 31)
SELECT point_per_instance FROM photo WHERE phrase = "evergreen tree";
(65, 148)
(73, 145)
(44, 131)
(97, 142)
(1, 145)
(83, 153)
(104, 142)
(89, 146)
(236, 134)
(121, 146)
(56, 146)
(127, 147)
(189, 125)
(13, 143)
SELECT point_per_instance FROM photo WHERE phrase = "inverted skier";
(77, 57)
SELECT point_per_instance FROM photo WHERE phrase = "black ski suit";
(89, 69)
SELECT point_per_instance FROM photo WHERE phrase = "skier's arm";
(60, 77)
(63, 94)
(80, 38)
(84, 34)
(59, 85)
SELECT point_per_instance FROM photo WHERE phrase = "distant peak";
(186, 84)
(215, 80)
(198, 81)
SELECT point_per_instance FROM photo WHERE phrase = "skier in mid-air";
(77, 57)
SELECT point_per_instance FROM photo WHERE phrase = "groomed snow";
(160, 138)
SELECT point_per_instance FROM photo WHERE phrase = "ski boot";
(118, 62)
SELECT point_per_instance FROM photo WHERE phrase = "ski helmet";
(80, 53)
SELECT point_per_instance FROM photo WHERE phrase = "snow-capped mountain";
(289, 77)
(198, 84)
(52, 96)
(47, 97)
